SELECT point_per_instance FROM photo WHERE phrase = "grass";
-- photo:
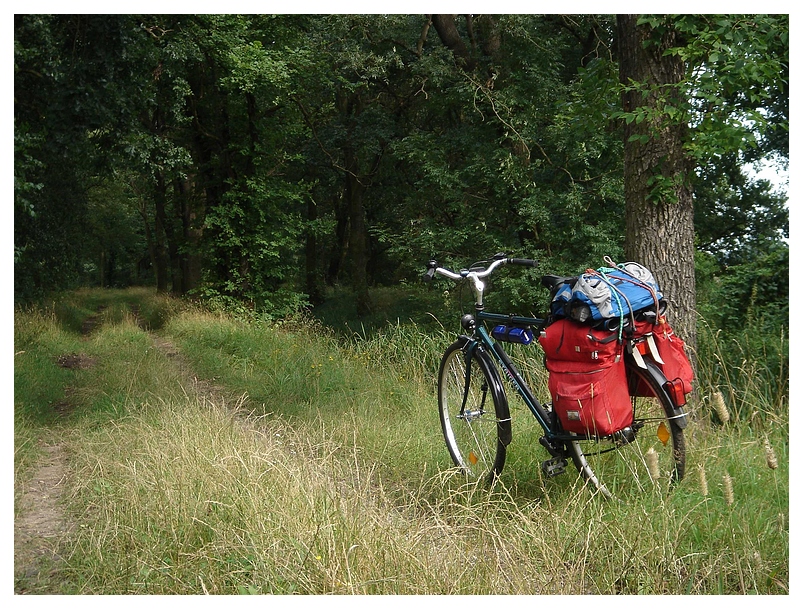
(751, 371)
(317, 467)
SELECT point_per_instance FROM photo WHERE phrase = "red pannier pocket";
(570, 341)
(595, 402)
(638, 388)
(671, 349)
(587, 378)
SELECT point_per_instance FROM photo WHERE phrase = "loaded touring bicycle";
(618, 380)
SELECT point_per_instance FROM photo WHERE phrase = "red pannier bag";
(671, 350)
(587, 378)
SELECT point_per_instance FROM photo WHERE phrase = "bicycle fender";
(503, 426)
(678, 415)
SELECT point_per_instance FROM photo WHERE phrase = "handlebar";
(432, 268)
(475, 276)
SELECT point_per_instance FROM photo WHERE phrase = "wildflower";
(720, 408)
(728, 488)
(703, 480)
(772, 461)
(652, 464)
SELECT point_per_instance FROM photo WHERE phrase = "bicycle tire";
(617, 468)
(475, 420)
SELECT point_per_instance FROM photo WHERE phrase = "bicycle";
(478, 431)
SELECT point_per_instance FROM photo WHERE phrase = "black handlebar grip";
(430, 271)
(523, 262)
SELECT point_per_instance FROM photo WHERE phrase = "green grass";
(318, 467)
(750, 370)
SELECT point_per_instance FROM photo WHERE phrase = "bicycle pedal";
(554, 467)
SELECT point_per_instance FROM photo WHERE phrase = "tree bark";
(314, 292)
(659, 212)
(486, 35)
(338, 258)
(350, 106)
(192, 210)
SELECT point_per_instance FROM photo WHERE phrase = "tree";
(694, 90)
(75, 92)
(737, 218)
(355, 105)
(216, 143)
(659, 207)
(267, 155)
(530, 165)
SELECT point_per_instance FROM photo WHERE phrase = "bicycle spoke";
(468, 415)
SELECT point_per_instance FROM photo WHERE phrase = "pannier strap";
(635, 280)
(603, 272)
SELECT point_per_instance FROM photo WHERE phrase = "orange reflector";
(473, 458)
(663, 433)
(643, 347)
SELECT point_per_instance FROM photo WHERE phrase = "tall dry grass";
(319, 468)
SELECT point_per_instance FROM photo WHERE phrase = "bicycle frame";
(480, 335)
(507, 366)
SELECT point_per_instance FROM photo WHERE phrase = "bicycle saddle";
(553, 281)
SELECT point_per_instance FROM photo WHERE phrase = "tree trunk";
(161, 237)
(350, 106)
(658, 198)
(447, 31)
(338, 257)
(358, 243)
(486, 30)
(314, 292)
(192, 210)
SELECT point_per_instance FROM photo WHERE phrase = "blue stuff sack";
(513, 334)
(607, 293)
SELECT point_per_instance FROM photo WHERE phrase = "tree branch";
(447, 31)
(419, 48)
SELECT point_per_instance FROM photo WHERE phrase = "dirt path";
(41, 526)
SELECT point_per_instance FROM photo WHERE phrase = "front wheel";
(652, 454)
(473, 411)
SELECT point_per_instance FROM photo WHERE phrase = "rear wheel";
(650, 455)
(473, 411)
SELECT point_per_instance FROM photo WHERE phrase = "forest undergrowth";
(199, 453)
